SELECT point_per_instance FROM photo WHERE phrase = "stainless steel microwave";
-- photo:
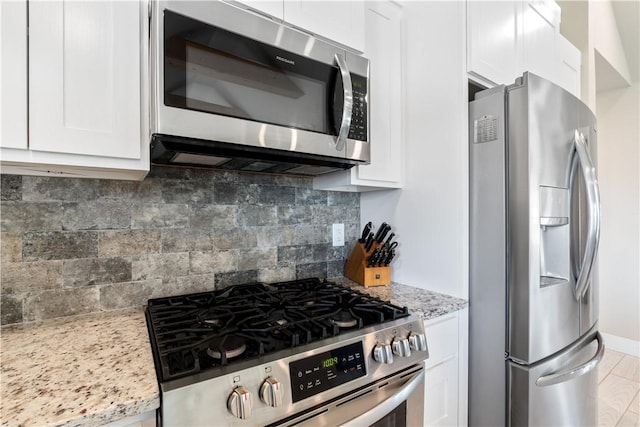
(232, 89)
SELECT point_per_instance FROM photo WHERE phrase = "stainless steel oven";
(304, 353)
(233, 89)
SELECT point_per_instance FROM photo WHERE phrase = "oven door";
(394, 401)
(223, 74)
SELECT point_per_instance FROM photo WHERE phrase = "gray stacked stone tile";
(72, 246)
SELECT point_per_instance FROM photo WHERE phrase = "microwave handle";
(348, 102)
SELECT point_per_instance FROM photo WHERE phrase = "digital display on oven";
(324, 371)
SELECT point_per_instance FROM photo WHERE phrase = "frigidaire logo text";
(288, 61)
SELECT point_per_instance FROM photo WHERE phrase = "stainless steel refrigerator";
(534, 230)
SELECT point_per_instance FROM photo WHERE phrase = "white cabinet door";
(539, 29)
(84, 77)
(340, 21)
(383, 48)
(568, 62)
(441, 375)
(492, 41)
(441, 394)
(272, 8)
(13, 74)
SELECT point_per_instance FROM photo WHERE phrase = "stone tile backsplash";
(73, 246)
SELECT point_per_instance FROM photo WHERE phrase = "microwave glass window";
(212, 70)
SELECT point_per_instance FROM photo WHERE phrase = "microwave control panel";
(358, 130)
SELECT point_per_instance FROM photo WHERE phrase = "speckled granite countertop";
(82, 371)
(95, 369)
(421, 302)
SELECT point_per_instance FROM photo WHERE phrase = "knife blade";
(365, 232)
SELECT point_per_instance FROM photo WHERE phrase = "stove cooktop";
(204, 331)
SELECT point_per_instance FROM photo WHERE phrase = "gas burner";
(204, 331)
(343, 320)
(229, 347)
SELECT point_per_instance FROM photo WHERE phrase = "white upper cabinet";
(505, 39)
(88, 113)
(340, 21)
(569, 63)
(383, 48)
(492, 48)
(268, 7)
(84, 76)
(13, 74)
(540, 24)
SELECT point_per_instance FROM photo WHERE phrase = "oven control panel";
(321, 372)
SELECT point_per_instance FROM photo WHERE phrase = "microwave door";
(212, 70)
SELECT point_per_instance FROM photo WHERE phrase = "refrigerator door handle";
(560, 377)
(593, 212)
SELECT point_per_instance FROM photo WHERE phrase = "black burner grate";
(197, 332)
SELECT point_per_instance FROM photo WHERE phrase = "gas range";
(278, 354)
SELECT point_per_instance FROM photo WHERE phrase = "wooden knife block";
(356, 268)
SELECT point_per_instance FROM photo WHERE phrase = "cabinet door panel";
(569, 66)
(84, 76)
(340, 21)
(441, 394)
(273, 8)
(492, 40)
(383, 41)
(538, 39)
(13, 72)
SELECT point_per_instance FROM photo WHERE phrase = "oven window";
(212, 70)
(395, 418)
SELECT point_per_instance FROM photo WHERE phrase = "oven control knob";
(418, 342)
(240, 403)
(271, 392)
(382, 353)
(400, 347)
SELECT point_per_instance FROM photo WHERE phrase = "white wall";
(618, 113)
(429, 214)
(605, 37)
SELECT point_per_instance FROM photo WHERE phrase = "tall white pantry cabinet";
(80, 109)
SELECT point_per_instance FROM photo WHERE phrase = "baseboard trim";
(621, 344)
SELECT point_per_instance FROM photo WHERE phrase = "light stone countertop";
(91, 370)
(83, 371)
(422, 303)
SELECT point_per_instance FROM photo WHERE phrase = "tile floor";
(619, 390)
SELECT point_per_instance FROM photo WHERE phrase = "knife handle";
(365, 232)
(383, 227)
(369, 243)
(391, 236)
(384, 231)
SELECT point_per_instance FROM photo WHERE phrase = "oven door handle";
(388, 405)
